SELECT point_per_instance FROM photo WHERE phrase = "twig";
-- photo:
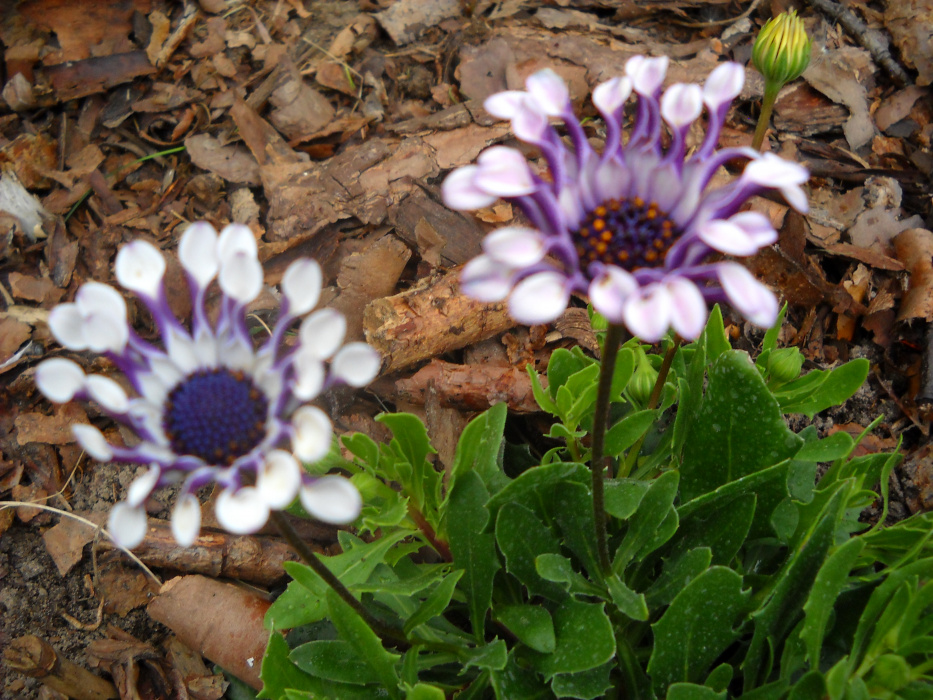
(35, 657)
(871, 40)
(718, 22)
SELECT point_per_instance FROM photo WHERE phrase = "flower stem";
(653, 402)
(307, 555)
(764, 118)
(600, 420)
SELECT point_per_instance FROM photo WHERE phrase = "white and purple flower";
(210, 406)
(631, 226)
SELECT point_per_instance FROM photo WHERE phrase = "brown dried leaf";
(232, 163)
(837, 76)
(54, 429)
(37, 289)
(915, 249)
(911, 25)
(406, 19)
(13, 333)
(299, 108)
(65, 541)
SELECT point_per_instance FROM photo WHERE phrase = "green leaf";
(831, 448)
(527, 487)
(691, 691)
(697, 627)
(522, 537)
(585, 685)
(714, 335)
(436, 602)
(419, 479)
(473, 549)
(562, 365)
(480, 448)
(811, 686)
(423, 691)
(738, 429)
(531, 624)
(542, 397)
(571, 507)
(678, 572)
(626, 432)
(837, 386)
(793, 582)
(368, 646)
(519, 682)
(490, 656)
(690, 390)
(652, 511)
(622, 374)
(333, 660)
(720, 525)
(622, 496)
(771, 336)
(827, 586)
(584, 639)
(278, 672)
(626, 600)
(558, 568)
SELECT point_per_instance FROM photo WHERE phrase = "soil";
(349, 172)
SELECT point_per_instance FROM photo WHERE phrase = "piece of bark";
(219, 620)
(461, 235)
(33, 656)
(70, 81)
(430, 319)
(219, 554)
(915, 249)
(470, 387)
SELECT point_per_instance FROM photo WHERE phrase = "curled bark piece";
(430, 319)
(35, 657)
(470, 387)
(221, 621)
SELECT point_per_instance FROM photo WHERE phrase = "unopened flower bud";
(784, 365)
(643, 380)
(782, 50)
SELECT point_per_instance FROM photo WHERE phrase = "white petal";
(332, 499)
(549, 92)
(609, 290)
(59, 379)
(313, 433)
(186, 520)
(648, 314)
(503, 171)
(515, 246)
(241, 277)
(301, 285)
(485, 280)
(241, 512)
(309, 375)
(108, 394)
(104, 311)
(530, 124)
(755, 301)
(142, 486)
(647, 74)
(198, 252)
(611, 95)
(140, 267)
(67, 325)
(726, 237)
(127, 525)
(356, 364)
(93, 442)
(688, 308)
(772, 171)
(149, 417)
(723, 85)
(461, 193)
(279, 479)
(505, 104)
(322, 333)
(757, 226)
(183, 352)
(681, 104)
(540, 298)
(234, 239)
(165, 372)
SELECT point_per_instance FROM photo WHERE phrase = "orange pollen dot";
(600, 212)
(659, 245)
(601, 248)
(599, 224)
(651, 256)
(623, 256)
(584, 233)
(651, 214)
(638, 202)
(607, 236)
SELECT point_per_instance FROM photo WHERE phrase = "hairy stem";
(600, 421)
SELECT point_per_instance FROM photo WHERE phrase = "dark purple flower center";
(215, 414)
(627, 233)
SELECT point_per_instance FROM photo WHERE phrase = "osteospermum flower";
(209, 406)
(631, 226)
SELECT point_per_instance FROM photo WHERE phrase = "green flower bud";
(643, 380)
(782, 49)
(784, 365)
